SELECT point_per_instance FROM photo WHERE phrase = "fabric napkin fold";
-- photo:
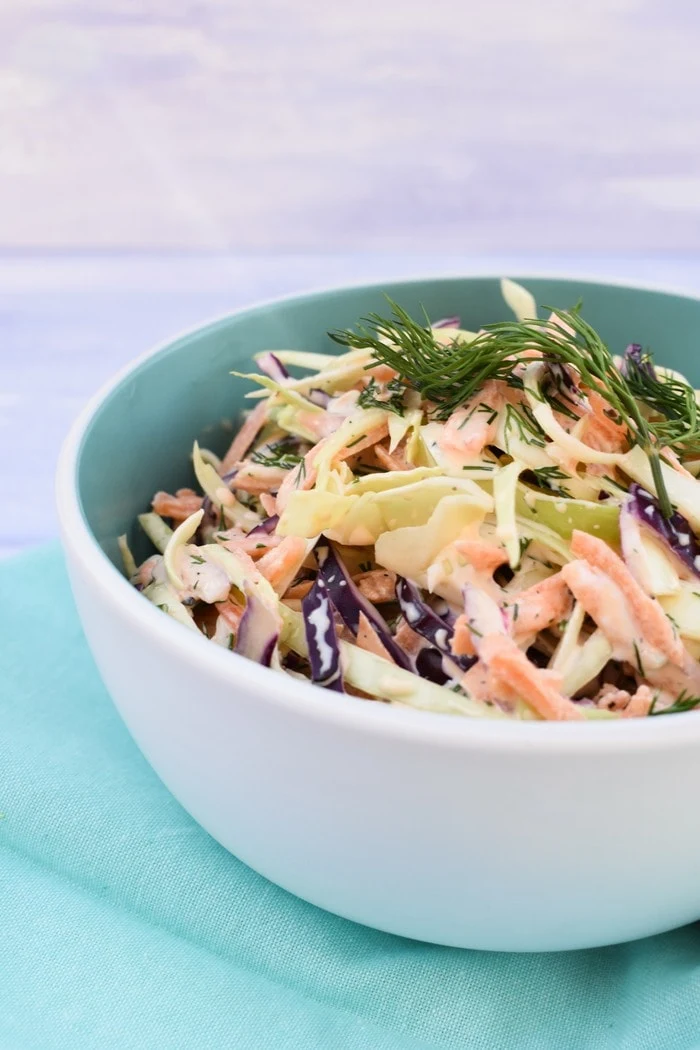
(124, 925)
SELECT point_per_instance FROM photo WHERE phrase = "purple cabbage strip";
(425, 622)
(436, 667)
(563, 381)
(446, 322)
(267, 526)
(318, 397)
(674, 531)
(350, 602)
(429, 665)
(321, 637)
(634, 358)
(211, 516)
(258, 631)
(271, 365)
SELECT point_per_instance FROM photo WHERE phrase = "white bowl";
(506, 836)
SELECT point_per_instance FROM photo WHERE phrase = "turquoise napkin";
(124, 925)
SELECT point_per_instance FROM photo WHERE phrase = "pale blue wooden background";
(163, 161)
(350, 125)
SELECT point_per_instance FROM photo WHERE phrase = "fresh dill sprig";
(638, 659)
(684, 702)
(300, 474)
(524, 423)
(672, 405)
(388, 396)
(280, 454)
(447, 375)
(656, 411)
(577, 344)
(546, 478)
(484, 410)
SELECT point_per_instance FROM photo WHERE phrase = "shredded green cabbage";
(521, 302)
(130, 568)
(182, 535)
(156, 529)
(423, 517)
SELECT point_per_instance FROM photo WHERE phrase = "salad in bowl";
(497, 524)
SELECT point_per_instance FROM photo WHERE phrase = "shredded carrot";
(178, 507)
(600, 431)
(367, 639)
(651, 618)
(395, 460)
(478, 682)
(245, 437)
(640, 703)
(483, 556)
(280, 565)
(268, 502)
(144, 573)
(320, 424)
(541, 606)
(231, 612)
(298, 590)
(514, 670)
(462, 641)
(470, 428)
(370, 439)
(256, 545)
(382, 373)
(258, 479)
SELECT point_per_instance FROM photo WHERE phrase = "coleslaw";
(496, 524)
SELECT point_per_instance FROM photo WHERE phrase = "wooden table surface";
(67, 322)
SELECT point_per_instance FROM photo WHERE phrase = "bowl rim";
(393, 721)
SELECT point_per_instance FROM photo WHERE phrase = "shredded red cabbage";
(321, 638)
(426, 622)
(211, 516)
(429, 665)
(258, 632)
(634, 359)
(559, 377)
(350, 602)
(674, 531)
(271, 365)
(446, 322)
(319, 397)
(267, 526)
